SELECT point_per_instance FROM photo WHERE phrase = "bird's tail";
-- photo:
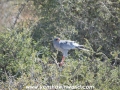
(82, 47)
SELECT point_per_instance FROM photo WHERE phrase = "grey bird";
(64, 46)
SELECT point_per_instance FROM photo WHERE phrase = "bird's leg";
(62, 61)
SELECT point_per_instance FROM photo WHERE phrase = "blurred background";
(27, 56)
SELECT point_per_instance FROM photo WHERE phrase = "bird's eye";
(56, 39)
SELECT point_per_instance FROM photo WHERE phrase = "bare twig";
(57, 64)
(58, 68)
(20, 10)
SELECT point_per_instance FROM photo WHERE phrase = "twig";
(58, 68)
(57, 64)
(20, 10)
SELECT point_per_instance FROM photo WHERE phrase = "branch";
(20, 11)
(57, 64)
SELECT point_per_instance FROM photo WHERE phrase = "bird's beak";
(58, 39)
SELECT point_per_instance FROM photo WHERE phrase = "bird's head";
(57, 39)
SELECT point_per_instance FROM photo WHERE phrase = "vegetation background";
(27, 56)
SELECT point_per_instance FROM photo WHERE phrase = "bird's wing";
(66, 44)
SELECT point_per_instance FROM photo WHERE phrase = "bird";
(64, 46)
